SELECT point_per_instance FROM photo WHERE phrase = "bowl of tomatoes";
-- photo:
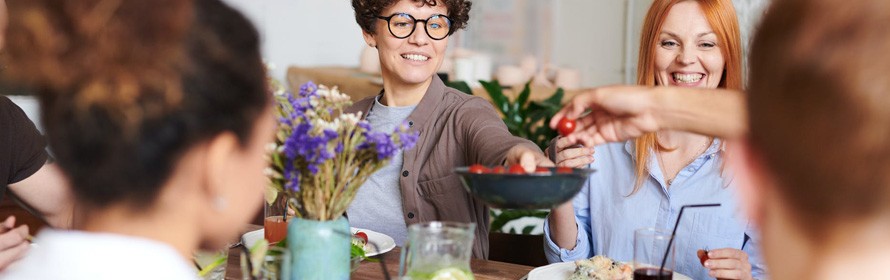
(510, 187)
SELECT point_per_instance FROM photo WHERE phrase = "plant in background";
(523, 117)
(323, 155)
(500, 218)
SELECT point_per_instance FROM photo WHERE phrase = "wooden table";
(482, 269)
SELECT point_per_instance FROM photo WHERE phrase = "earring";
(372, 45)
(219, 203)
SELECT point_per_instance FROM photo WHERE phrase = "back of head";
(819, 106)
(128, 86)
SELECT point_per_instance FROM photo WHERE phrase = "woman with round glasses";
(455, 129)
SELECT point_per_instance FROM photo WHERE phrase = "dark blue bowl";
(524, 191)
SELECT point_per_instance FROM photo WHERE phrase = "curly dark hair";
(127, 88)
(367, 10)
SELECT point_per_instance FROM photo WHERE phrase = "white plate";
(383, 241)
(562, 271)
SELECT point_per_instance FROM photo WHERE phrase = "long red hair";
(722, 18)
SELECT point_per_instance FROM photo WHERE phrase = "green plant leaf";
(528, 229)
(461, 86)
(524, 94)
(507, 215)
(496, 92)
(556, 98)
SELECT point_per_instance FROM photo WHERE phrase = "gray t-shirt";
(378, 202)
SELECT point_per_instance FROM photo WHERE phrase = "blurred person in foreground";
(26, 174)
(158, 114)
(812, 153)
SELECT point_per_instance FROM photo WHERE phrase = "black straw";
(674, 233)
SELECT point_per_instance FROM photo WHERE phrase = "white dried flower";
(350, 119)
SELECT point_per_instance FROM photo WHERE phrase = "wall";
(305, 32)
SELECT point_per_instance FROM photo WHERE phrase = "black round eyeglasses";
(402, 25)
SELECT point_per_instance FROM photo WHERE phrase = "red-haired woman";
(643, 182)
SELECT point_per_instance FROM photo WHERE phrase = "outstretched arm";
(618, 113)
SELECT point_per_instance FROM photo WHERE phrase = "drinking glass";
(275, 265)
(650, 245)
(274, 222)
(212, 264)
(439, 250)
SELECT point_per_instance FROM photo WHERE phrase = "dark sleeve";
(22, 147)
(486, 134)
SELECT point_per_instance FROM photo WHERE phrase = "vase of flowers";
(320, 159)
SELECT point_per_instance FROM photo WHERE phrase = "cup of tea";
(275, 219)
(651, 252)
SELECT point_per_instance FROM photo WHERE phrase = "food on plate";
(363, 236)
(565, 126)
(601, 268)
(359, 244)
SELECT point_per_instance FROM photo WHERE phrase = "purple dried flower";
(408, 139)
(308, 89)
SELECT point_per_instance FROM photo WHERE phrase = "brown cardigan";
(456, 129)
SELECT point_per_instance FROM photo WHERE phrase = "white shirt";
(75, 255)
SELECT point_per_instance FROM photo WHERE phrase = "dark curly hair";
(367, 10)
(127, 88)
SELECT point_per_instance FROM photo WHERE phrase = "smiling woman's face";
(412, 60)
(687, 53)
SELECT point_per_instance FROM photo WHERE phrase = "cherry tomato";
(542, 170)
(363, 236)
(702, 256)
(565, 126)
(564, 170)
(499, 170)
(479, 169)
(516, 169)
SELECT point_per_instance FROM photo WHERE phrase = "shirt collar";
(716, 146)
(423, 112)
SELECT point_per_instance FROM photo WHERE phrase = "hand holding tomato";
(565, 126)
(728, 263)
(610, 114)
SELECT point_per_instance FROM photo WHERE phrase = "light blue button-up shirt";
(607, 214)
